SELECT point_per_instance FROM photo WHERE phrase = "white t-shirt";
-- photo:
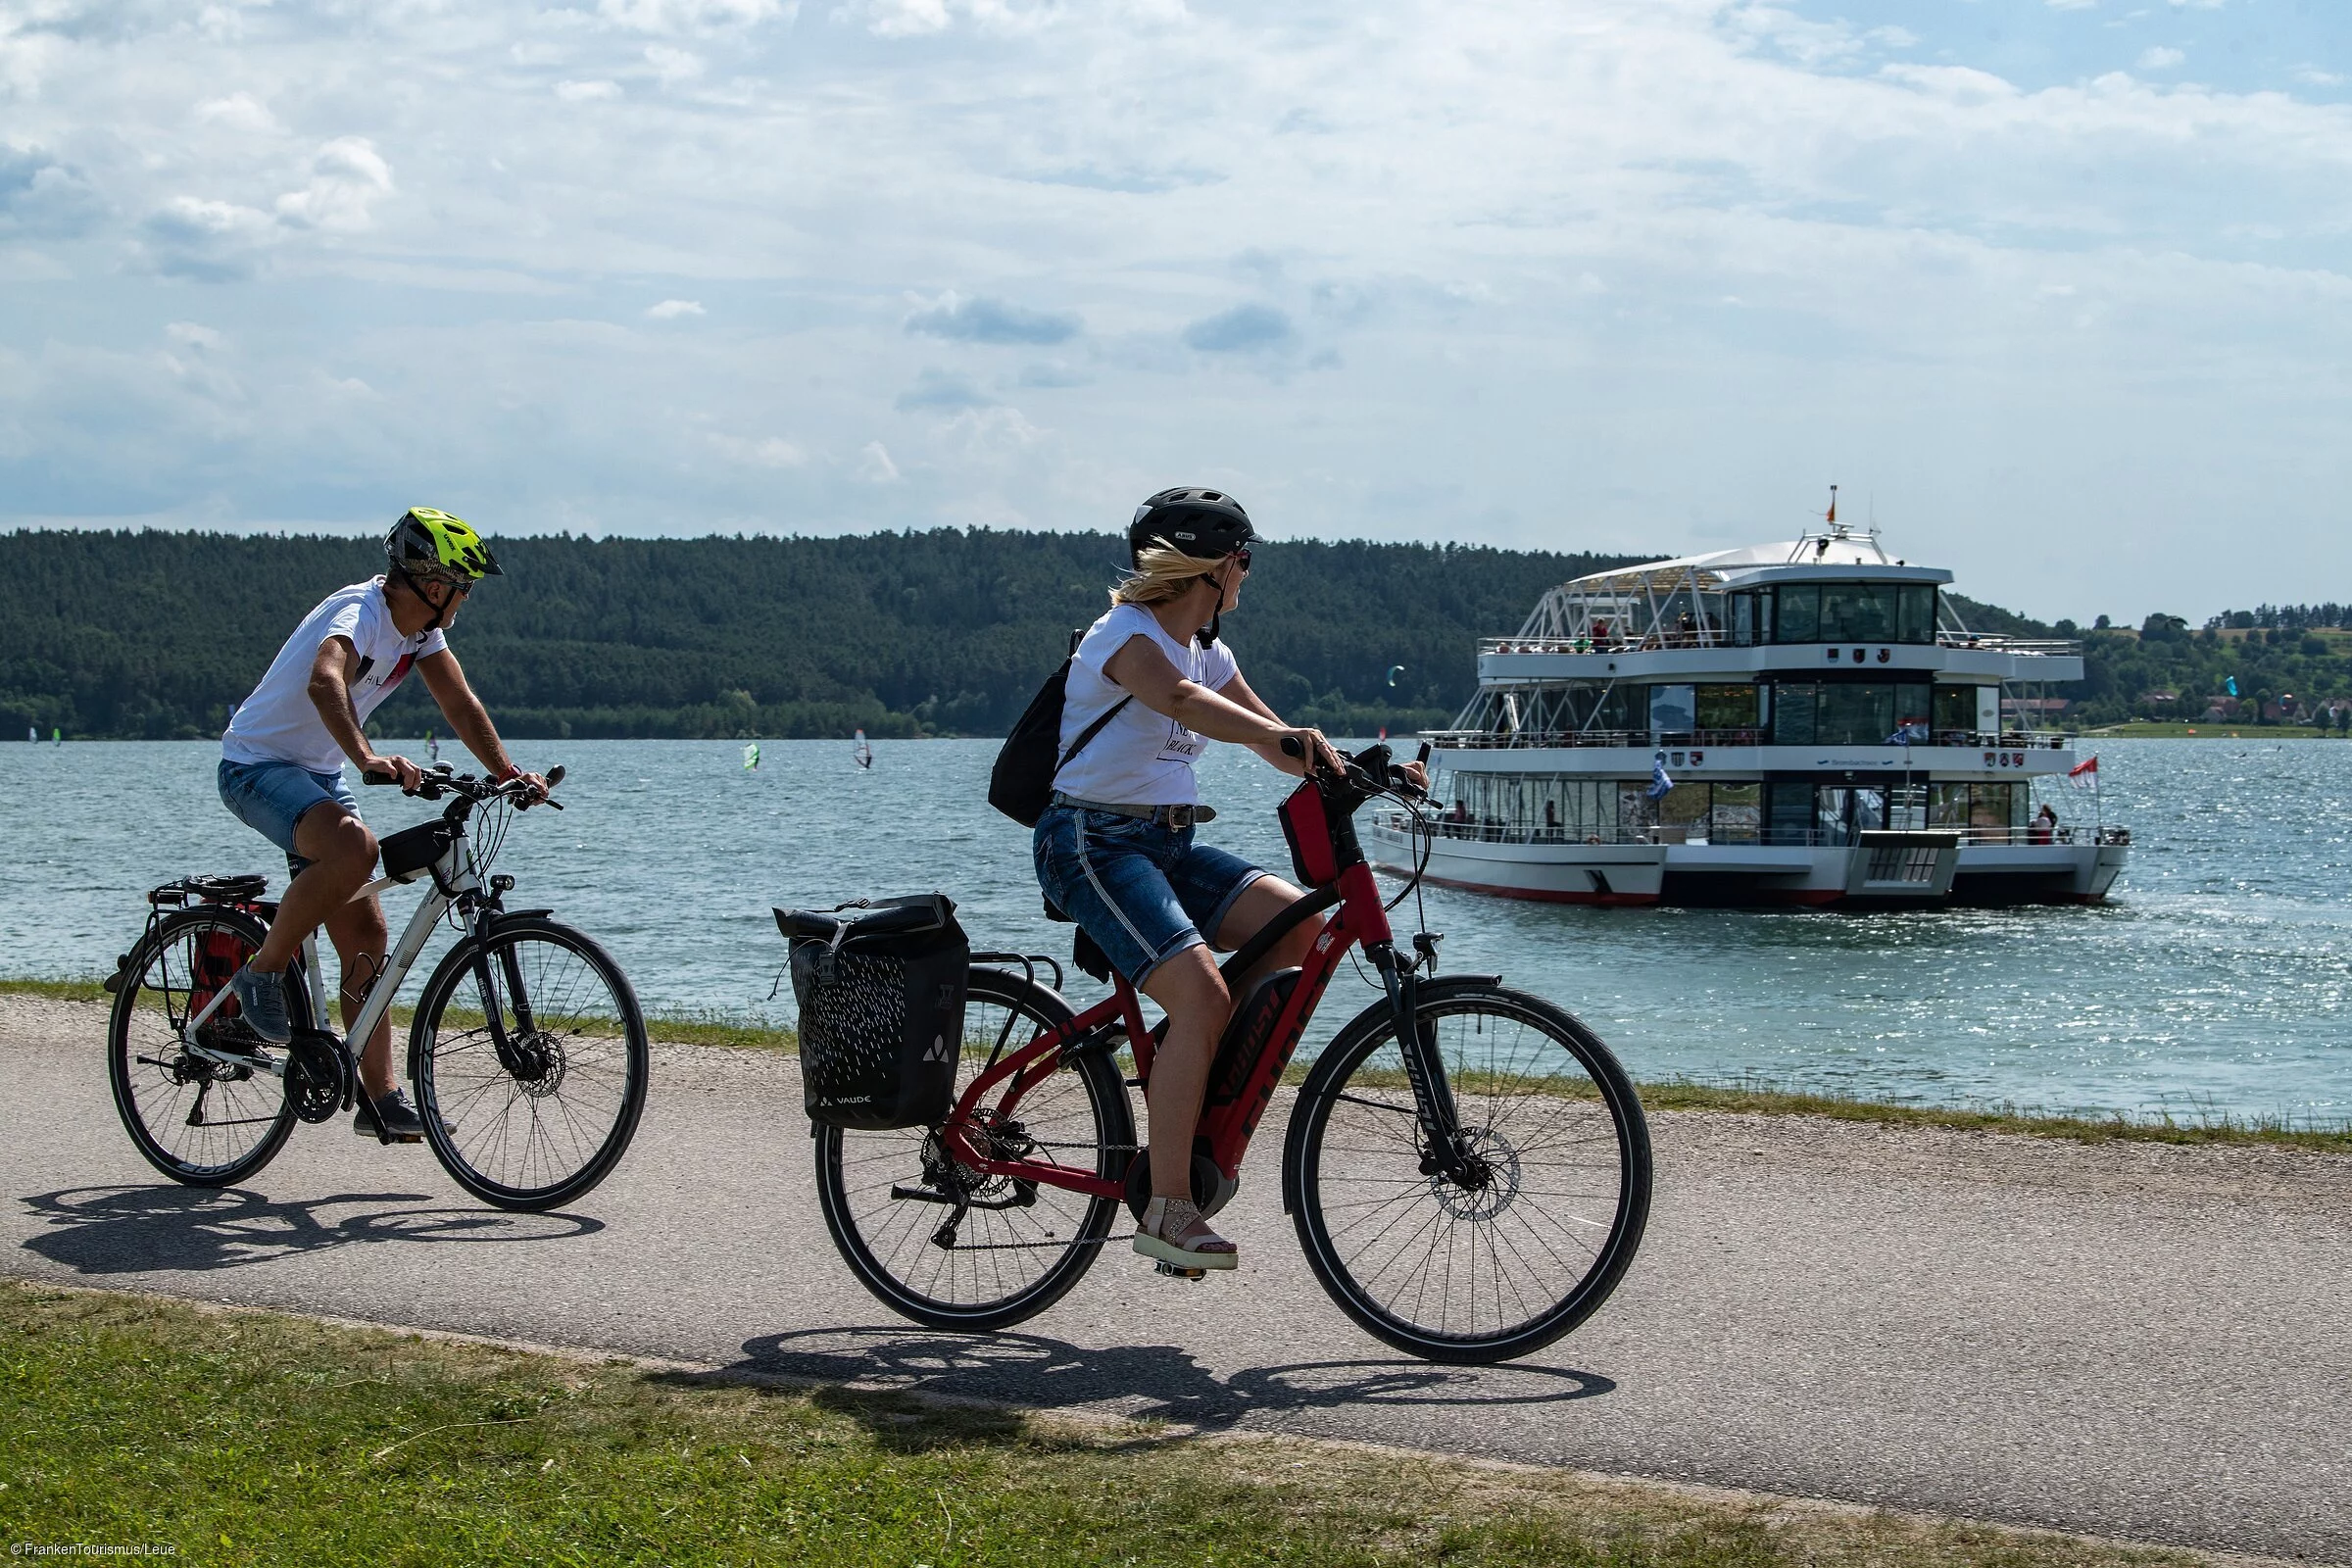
(279, 723)
(1140, 758)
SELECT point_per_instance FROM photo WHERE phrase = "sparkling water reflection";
(2214, 980)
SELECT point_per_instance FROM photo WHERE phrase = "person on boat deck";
(1116, 850)
(2046, 825)
(281, 771)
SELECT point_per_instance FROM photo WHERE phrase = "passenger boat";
(1803, 723)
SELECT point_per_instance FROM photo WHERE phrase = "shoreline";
(1746, 1097)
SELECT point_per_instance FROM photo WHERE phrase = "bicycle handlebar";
(442, 779)
(1362, 777)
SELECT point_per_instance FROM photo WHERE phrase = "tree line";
(942, 632)
(939, 632)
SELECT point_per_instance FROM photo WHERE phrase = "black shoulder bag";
(1021, 784)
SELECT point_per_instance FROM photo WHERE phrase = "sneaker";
(399, 1117)
(261, 1001)
(1173, 1232)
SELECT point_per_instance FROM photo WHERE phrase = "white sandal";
(1173, 1232)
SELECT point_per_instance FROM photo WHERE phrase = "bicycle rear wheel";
(199, 1120)
(1502, 1264)
(538, 1122)
(887, 1197)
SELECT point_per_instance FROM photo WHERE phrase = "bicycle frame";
(1225, 1128)
(453, 882)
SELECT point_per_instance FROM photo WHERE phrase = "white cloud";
(2313, 76)
(766, 452)
(2071, 5)
(672, 310)
(2160, 58)
(240, 110)
(693, 16)
(587, 92)
(874, 465)
(347, 178)
(189, 334)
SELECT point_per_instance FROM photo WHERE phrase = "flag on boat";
(1659, 783)
(2085, 773)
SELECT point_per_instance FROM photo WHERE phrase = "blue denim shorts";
(1144, 892)
(270, 798)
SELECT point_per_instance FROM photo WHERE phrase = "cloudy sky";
(2056, 288)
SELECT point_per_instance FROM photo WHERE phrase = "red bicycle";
(1467, 1165)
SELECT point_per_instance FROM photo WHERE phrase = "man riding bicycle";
(1115, 849)
(281, 762)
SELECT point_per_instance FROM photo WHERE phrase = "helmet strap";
(440, 611)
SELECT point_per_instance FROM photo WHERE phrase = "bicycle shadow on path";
(1141, 1383)
(143, 1230)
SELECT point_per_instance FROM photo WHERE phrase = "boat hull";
(1754, 876)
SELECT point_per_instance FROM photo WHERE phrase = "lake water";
(2215, 980)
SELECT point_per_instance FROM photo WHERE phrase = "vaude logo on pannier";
(938, 1050)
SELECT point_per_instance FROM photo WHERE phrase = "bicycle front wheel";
(206, 1121)
(530, 1114)
(891, 1197)
(1521, 1245)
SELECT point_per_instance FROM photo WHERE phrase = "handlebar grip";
(371, 780)
(555, 776)
(1423, 758)
(1291, 747)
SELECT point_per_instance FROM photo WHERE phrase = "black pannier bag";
(1021, 784)
(881, 988)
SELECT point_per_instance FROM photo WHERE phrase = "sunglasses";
(1243, 556)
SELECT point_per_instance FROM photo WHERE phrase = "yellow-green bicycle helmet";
(426, 544)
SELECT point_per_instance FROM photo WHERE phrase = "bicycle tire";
(892, 1253)
(579, 1040)
(131, 1033)
(1505, 1109)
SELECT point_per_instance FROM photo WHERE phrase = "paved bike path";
(2133, 1340)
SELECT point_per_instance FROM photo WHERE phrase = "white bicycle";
(526, 1050)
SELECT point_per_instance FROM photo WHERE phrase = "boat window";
(1918, 613)
(1870, 810)
(1793, 707)
(1744, 620)
(1911, 712)
(1728, 708)
(1831, 807)
(1684, 807)
(1994, 809)
(1788, 813)
(1673, 709)
(1857, 612)
(1855, 715)
(1947, 806)
(1738, 816)
(1955, 710)
(1797, 612)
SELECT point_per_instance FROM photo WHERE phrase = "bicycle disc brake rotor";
(540, 1063)
(318, 1078)
(1488, 1187)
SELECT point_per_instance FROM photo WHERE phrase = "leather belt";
(1174, 818)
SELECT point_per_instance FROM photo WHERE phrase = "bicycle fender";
(1325, 1067)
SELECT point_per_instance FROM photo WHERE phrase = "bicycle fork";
(1445, 1152)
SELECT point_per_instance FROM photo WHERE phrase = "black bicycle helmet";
(1208, 524)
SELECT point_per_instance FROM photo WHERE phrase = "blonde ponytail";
(1161, 573)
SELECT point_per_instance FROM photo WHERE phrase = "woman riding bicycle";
(1115, 849)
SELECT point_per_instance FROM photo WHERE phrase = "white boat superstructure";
(1806, 722)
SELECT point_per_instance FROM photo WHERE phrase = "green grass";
(1748, 1097)
(244, 1438)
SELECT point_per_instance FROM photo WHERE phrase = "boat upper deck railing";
(1475, 740)
(1711, 637)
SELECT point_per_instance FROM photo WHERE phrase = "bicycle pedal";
(1176, 1271)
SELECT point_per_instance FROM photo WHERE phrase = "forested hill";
(944, 632)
